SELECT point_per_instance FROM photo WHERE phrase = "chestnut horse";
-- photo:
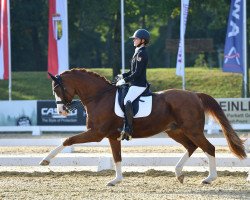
(178, 113)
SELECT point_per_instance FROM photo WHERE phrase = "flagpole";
(9, 46)
(245, 49)
(122, 36)
(183, 45)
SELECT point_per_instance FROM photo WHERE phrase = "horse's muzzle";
(64, 113)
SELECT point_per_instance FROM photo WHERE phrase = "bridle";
(73, 104)
(69, 105)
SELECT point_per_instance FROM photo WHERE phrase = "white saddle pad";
(145, 107)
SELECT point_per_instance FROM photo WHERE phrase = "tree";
(94, 31)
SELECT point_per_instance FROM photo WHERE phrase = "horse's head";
(63, 94)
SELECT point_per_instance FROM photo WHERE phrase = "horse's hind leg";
(179, 137)
(201, 141)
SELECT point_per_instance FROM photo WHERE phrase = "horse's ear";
(53, 77)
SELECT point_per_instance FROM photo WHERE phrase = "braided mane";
(83, 70)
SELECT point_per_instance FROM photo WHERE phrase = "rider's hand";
(120, 82)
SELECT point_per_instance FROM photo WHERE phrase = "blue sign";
(47, 115)
(233, 52)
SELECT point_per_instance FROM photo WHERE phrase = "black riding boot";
(127, 130)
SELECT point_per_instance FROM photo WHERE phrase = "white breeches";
(133, 93)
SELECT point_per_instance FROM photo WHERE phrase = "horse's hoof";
(205, 182)
(208, 180)
(44, 163)
(114, 182)
(110, 184)
(180, 178)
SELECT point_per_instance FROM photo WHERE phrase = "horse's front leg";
(88, 136)
(116, 151)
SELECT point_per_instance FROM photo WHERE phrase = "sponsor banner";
(47, 115)
(237, 110)
(233, 52)
(180, 65)
(32, 113)
(18, 113)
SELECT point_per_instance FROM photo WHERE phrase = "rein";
(89, 99)
(70, 106)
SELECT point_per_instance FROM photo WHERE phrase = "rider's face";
(136, 41)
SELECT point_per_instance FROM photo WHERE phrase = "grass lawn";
(36, 85)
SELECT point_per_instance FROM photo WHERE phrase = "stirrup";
(127, 137)
(124, 135)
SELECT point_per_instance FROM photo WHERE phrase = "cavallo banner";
(4, 39)
(58, 37)
(233, 52)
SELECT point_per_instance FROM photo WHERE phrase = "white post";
(9, 46)
(122, 36)
(244, 46)
(212, 126)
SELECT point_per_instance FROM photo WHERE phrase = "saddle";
(142, 105)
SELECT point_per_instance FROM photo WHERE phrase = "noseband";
(70, 105)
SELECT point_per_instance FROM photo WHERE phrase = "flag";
(4, 40)
(58, 37)
(180, 64)
(233, 51)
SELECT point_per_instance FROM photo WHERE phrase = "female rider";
(136, 78)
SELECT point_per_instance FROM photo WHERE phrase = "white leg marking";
(118, 177)
(212, 169)
(180, 164)
(51, 155)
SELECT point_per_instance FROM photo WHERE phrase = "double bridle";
(73, 104)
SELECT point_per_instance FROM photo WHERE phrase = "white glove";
(120, 82)
(120, 76)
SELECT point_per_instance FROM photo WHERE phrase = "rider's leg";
(128, 120)
(133, 93)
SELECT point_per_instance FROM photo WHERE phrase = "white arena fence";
(104, 161)
(38, 130)
(210, 128)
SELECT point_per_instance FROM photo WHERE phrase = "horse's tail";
(236, 145)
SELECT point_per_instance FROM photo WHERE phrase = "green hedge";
(36, 85)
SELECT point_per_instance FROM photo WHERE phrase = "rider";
(136, 77)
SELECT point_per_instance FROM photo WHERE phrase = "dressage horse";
(178, 113)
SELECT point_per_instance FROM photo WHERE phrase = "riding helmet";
(142, 34)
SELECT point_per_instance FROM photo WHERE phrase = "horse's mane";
(83, 70)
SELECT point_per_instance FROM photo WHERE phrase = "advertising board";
(47, 115)
(237, 110)
(18, 113)
(44, 113)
